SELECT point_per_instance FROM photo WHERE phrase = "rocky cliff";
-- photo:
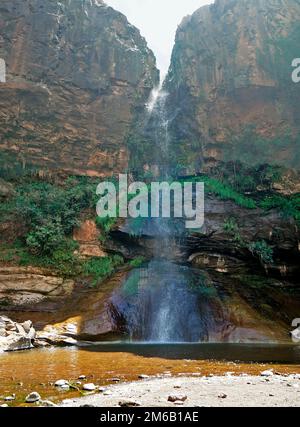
(77, 72)
(231, 90)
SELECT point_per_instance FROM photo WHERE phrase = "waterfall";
(158, 301)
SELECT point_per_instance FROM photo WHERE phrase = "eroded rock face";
(88, 236)
(25, 287)
(77, 72)
(231, 91)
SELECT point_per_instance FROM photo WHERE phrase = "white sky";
(158, 20)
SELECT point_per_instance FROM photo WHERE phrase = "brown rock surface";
(76, 74)
(230, 85)
(29, 286)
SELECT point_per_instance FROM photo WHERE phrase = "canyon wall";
(230, 84)
(77, 73)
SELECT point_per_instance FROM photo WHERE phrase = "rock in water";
(89, 387)
(61, 383)
(33, 397)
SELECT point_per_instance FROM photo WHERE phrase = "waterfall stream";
(159, 305)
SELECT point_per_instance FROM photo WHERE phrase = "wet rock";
(10, 398)
(177, 398)
(82, 377)
(56, 339)
(89, 387)
(143, 377)
(33, 397)
(61, 383)
(115, 380)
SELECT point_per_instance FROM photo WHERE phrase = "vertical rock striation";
(77, 73)
(230, 85)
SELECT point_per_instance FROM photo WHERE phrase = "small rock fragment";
(129, 404)
(176, 398)
(222, 396)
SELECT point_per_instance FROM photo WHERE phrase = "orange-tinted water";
(37, 370)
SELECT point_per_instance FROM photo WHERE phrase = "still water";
(37, 370)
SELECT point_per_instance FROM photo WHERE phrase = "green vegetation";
(224, 191)
(48, 213)
(288, 206)
(101, 268)
(137, 262)
(262, 250)
(259, 249)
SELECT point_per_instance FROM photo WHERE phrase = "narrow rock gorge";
(77, 107)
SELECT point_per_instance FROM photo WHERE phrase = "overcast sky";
(158, 20)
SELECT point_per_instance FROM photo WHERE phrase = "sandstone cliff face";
(77, 72)
(230, 85)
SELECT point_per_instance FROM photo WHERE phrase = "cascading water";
(158, 302)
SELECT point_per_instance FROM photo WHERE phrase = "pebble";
(61, 383)
(180, 398)
(10, 398)
(82, 377)
(65, 387)
(222, 396)
(115, 380)
(4, 406)
(89, 387)
(129, 404)
(33, 397)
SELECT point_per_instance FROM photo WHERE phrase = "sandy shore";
(215, 391)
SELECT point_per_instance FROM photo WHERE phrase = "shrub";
(101, 268)
(263, 251)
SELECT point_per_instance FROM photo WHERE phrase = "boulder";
(33, 397)
(13, 335)
(295, 334)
